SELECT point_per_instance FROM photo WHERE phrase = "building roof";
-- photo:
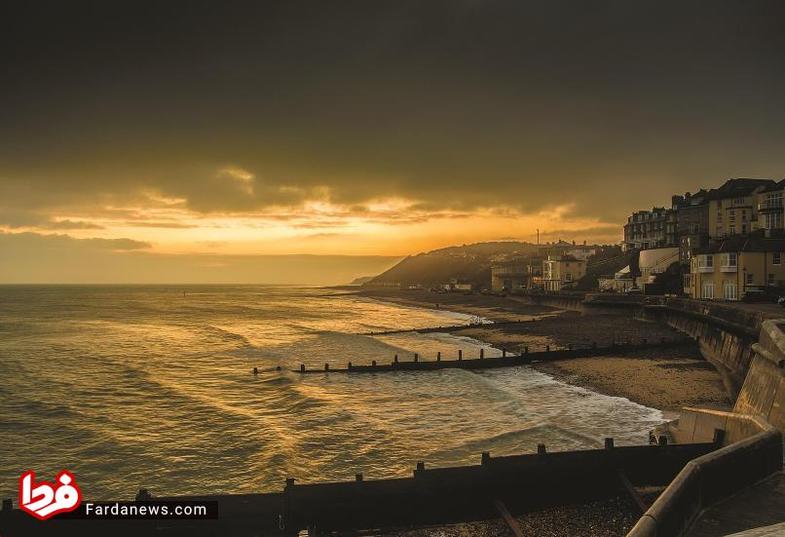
(564, 258)
(745, 243)
(733, 188)
(779, 185)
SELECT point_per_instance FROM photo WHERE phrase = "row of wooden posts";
(569, 347)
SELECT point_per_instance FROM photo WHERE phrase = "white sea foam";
(141, 386)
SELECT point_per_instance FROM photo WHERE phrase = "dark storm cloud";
(611, 105)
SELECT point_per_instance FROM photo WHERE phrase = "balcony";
(729, 268)
(705, 269)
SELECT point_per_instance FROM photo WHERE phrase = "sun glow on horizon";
(382, 226)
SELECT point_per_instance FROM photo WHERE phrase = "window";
(730, 291)
(708, 261)
(732, 229)
(776, 257)
(772, 220)
(771, 279)
(773, 200)
(731, 259)
(749, 278)
(708, 290)
(568, 277)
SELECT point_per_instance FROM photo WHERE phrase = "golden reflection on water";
(135, 387)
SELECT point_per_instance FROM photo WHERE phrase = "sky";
(146, 141)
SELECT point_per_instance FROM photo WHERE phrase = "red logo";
(44, 500)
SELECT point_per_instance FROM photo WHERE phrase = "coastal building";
(692, 223)
(771, 210)
(519, 275)
(738, 207)
(619, 282)
(733, 207)
(562, 272)
(650, 229)
(652, 263)
(561, 247)
(737, 267)
(582, 252)
(509, 277)
(458, 286)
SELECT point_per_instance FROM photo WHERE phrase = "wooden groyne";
(518, 483)
(448, 328)
(528, 356)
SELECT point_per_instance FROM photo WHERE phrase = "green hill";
(470, 263)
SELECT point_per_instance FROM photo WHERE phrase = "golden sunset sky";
(194, 141)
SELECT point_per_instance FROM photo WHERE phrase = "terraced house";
(734, 207)
(737, 268)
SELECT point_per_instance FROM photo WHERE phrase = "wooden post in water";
(373, 363)
(349, 367)
(609, 443)
(482, 354)
(416, 357)
(460, 354)
(396, 358)
(420, 469)
(326, 366)
(504, 353)
(439, 356)
(547, 348)
(302, 368)
(541, 449)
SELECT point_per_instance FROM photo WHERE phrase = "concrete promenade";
(760, 506)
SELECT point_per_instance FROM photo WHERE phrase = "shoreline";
(665, 379)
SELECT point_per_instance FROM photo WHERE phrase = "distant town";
(725, 243)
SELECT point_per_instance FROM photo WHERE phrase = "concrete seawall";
(763, 392)
(725, 334)
(746, 347)
(590, 304)
(752, 451)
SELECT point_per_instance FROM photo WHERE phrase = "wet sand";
(491, 307)
(666, 379)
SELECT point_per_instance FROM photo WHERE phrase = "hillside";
(471, 263)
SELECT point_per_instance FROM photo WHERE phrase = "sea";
(152, 387)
